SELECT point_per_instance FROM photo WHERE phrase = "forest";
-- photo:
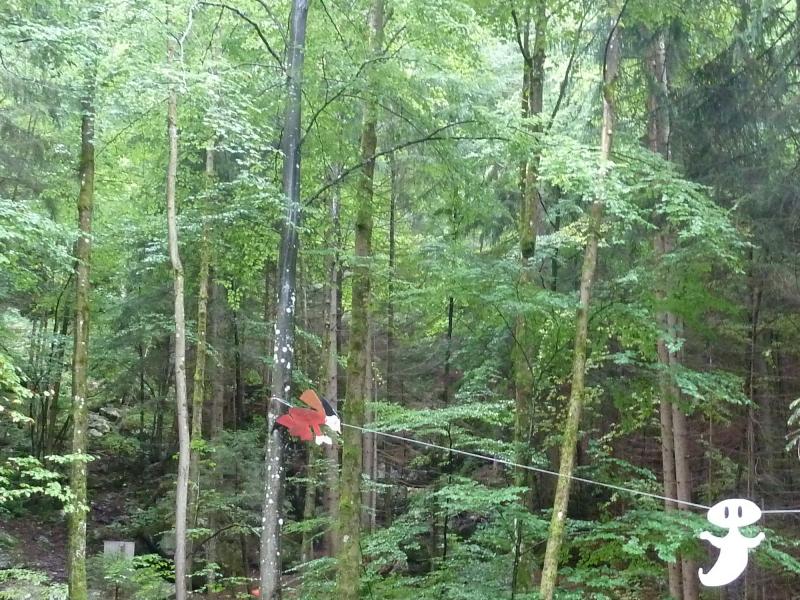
(400, 299)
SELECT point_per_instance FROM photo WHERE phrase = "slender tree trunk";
(677, 483)
(331, 493)
(49, 441)
(50, 380)
(158, 417)
(683, 474)
(76, 557)
(391, 379)
(668, 466)
(181, 408)
(571, 426)
(199, 387)
(369, 499)
(269, 272)
(446, 397)
(215, 424)
(313, 452)
(532, 94)
(309, 505)
(349, 563)
(750, 385)
(283, 351)
(658, 134)
(238, 381)
(668, 395)
(394, 192)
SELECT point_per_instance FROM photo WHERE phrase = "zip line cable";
(509, 463)
(544, 471)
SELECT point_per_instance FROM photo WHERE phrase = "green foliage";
(12, 392)
(22, 478)
(144, 577)
(24, 584)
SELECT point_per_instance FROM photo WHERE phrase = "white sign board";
(126, 549)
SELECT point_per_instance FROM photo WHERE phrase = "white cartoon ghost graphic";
(734, 547)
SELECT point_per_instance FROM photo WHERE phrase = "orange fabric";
(301, 422)
(310, 398)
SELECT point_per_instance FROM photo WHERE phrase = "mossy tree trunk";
(76, 557)
(349, 563)
(569, 437)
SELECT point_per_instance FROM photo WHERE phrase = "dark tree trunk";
(283, 352)
(658, 136)
(524, 414)
(215, 421)
(331, 493)
(394, 192)
(238, 392)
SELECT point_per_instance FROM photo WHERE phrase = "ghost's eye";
(727, 512)
(740, 512)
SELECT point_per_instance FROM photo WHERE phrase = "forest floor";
(38, 543)
(35, 544)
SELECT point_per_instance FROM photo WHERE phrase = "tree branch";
(253, 24)
(278, 25)
(562, 89)
(518, 30)
(433, 136)
(609, 38)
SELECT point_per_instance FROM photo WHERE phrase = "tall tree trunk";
(683, 474)
(532, 94)
(49, 441)
(446, 397)
(392, 394)
(216, 419)
(76, 557)
(658, 135)
(313, 453)
(349, 563)
(181, 407)
(309, 505)
(369, 451)
(571, 426)
(238, 380)
(331, 493)
(283, 350)
(158, 417)
(199, 387)
(750, 385)
(394, 192)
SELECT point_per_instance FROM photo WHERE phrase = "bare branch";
(433, 136)
(518, 30)
(563, 87)
(608, 42)
(278, 25)
(253, 24)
